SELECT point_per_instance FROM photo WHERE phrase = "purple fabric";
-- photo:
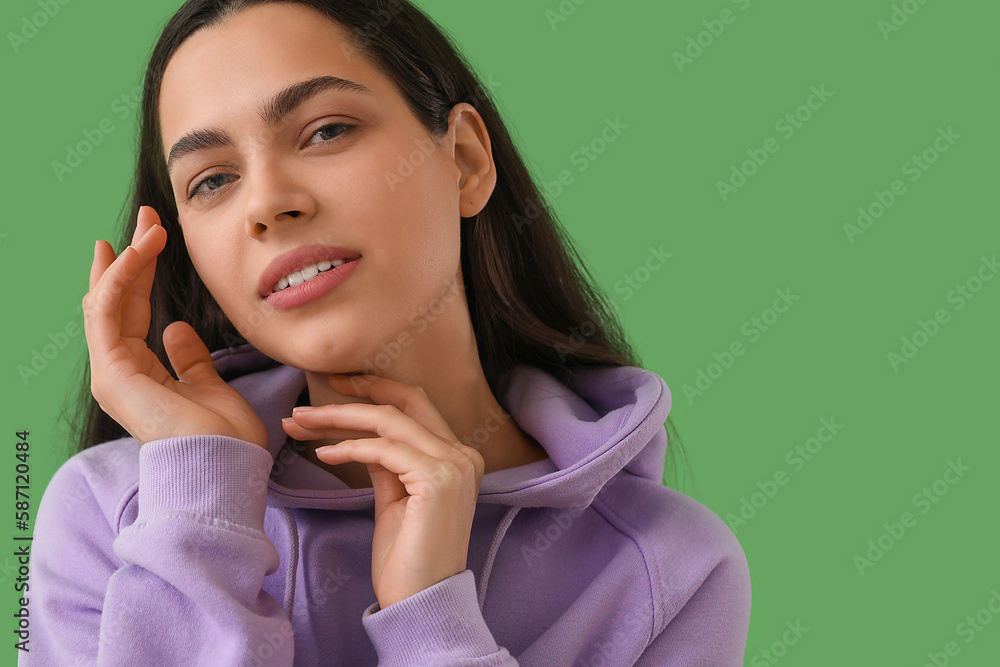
(208, 550)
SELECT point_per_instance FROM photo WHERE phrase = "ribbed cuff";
(441, 621)
(213, 475)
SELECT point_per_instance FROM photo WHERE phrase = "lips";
(298, 259)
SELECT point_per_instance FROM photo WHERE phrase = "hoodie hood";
(607, 419)
(604, 421)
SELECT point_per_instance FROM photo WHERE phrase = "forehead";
(225, 72)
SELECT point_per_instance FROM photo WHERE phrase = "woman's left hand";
(426, 482)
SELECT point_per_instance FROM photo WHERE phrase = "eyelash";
(211, 193)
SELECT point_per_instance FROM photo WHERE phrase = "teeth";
(308, 273)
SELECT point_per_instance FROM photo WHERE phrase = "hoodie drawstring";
(293, 560)
(491, 554)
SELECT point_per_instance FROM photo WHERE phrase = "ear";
(473, 156)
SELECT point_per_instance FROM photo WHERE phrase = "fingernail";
(302, 408)
(285, 420)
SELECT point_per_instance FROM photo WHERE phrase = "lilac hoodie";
(208, 550)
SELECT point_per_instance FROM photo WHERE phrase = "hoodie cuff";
(441, 621)
(216, 476)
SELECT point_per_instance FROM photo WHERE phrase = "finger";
(387, 486)
(108, 293)
(135, 304)
(141, 225)
(303, 434)
(103, 256)
(188, 354)
(420, 474)
(386, 421)
(124, 268)
(104, 253)
(143, 286)
(95, 299)
(411, 400)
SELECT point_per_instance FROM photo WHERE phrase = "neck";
(442, 357)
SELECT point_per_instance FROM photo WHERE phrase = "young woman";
(401, 426)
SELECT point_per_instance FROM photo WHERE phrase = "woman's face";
(380, 187)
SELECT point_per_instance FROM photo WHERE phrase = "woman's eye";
(198, 192)
(327, 133)
(327, 130)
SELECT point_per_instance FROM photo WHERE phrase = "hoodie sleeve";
(710, 629)
(440, 625)
(183, 584)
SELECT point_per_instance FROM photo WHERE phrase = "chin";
(316, 357)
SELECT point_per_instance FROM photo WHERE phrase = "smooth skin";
(277, 189)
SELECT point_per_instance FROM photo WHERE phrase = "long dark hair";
(529, 296)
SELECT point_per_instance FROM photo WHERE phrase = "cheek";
(426, 199)
(399, 195)
(211, 265)
(412, 169)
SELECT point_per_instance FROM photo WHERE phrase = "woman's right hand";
(127, 378)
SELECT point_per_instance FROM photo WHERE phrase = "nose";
(275, 194)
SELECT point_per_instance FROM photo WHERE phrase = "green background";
(688, 124)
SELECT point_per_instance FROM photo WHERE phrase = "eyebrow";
(271, 112)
